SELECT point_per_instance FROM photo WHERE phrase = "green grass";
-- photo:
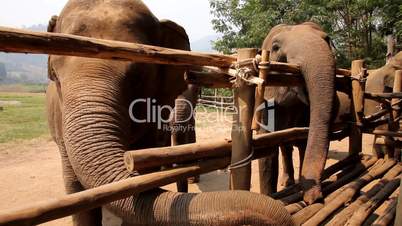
(24, 121)
(23, 88)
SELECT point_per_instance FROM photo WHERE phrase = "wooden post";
(244, 95)
(397, 89)
(358, 87)
(259, 95)
(398, 85)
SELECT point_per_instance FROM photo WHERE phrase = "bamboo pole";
(338, 183)
(144, 159)
(23, 41)
(260, 91)
(303, 215)
(367, 208)
(342, 164)
(356, 136)
(345, 214)
(244, 95)
(89, 199)
(388, 212)
(349, 191)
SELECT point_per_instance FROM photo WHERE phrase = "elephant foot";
(287, 181)
(313, 195)
(193, 180)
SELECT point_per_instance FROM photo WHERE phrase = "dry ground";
(30, 171)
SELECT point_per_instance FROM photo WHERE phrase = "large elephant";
(381, 81)
(88, 105)
(308, 46)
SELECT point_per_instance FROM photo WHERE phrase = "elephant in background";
(381, 81)
(183, 125)
(88, 102)
(308, 46)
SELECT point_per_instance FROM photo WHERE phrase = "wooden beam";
(96, 197)
(23, 41)
(358, 87)
(157, 157)
(260, 91)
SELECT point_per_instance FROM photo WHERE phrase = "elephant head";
(382, 80)
(88, 107)
(308, 46)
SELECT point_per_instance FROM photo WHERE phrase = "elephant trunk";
(96, 125)
(318, 68)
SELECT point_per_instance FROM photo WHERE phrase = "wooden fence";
(217, 72)
(216, 101)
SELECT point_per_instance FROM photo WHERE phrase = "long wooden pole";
(156, 157)
(398, 220)
(23, 41)
(356, 135)
(89, 199)
(260, 91)
(244, 95)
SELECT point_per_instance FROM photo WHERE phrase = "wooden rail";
(90, 199)
(23, 41)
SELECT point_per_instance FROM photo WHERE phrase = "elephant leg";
(72, 185)
(379, 148)
(287, 178)
(302, 151)
(268, 173)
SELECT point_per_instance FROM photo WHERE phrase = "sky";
(193, 15)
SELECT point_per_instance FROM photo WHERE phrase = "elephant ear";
(272, 33)
(319, 31)
(175, 37)
(50, 28)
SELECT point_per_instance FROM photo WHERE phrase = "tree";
(357, 27)
(3, 72)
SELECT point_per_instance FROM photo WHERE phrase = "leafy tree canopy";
(357, 27)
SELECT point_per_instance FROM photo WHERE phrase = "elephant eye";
(275, 47)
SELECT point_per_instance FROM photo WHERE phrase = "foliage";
(357, 27)
(24, 119)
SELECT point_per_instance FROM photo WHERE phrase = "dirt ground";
(30, 172)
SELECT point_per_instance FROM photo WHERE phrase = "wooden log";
(384, 215)
(398, 219)
(375, 116)
(383, 132)
(295, 188)
(23, 41)
(303, 215)
(156, 157)
(379, 96)
(356, 135)
(208, 79)
(351, 159)
(367, 208)
(345, 214)
(360, 168)
(397, 89)
(244, 95)
(96, 197)
(295, 207)
(349, 191)
(260, 91)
